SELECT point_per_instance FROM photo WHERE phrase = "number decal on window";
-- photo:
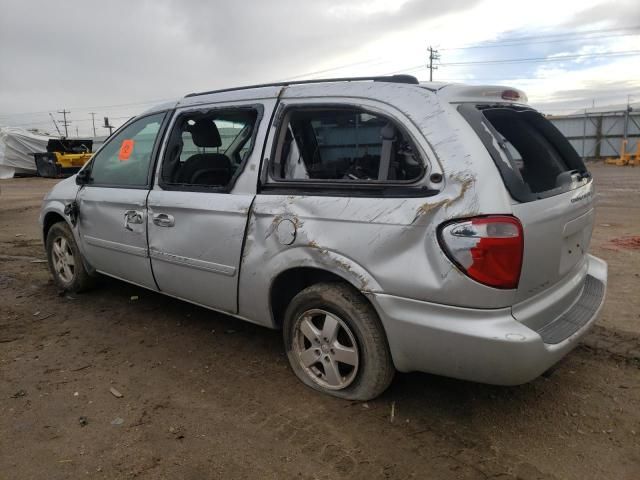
(126, 157)
(125, 150)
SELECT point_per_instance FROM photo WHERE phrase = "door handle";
(163, 220)
(133, 217)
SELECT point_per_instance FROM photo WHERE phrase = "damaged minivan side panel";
(381, 223)
(365, 242)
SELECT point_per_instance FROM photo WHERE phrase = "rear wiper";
(570, 176)
(580, 174)
(584, 174)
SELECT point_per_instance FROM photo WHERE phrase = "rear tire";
(65, 260)
(336, 344)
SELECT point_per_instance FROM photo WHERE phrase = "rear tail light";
(487, 249)
(512, 95)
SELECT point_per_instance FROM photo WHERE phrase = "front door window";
(125, 160)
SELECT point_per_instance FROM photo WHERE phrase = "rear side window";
(533, 157)
(343, 144)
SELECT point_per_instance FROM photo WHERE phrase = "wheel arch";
(55, 214)
(288, 283)
(49, 219)
(266, 271)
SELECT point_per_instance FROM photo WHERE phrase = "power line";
(544, 59)
(90, 107)
(341, 67)
(519, 40)
(551, 38)
(38, 122)
(558, 40)
(528, 38)
(522, 60)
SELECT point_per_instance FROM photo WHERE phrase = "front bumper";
(488, 346)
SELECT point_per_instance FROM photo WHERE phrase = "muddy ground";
(207, 396)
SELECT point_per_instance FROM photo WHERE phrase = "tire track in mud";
(318, 437)
(617, 343)
(336, 438)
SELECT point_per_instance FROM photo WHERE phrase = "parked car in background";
(381, 223)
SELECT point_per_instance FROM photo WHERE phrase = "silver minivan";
(383, 224)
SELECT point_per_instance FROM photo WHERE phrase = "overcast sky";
(118, 57)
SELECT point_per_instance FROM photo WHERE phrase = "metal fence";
(598, 135)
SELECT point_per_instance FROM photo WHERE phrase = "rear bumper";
(488, 346)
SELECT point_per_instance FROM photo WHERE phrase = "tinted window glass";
(344, 144)
(207, 149)
(125, 159)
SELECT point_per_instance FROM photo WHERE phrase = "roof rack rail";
(410, 79)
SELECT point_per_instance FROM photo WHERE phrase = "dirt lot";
(207, 396)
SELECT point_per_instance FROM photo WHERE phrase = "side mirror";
(83, 177)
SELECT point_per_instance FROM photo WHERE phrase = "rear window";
(533, 157)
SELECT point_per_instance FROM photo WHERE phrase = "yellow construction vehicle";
(626, 158)
(63, 157)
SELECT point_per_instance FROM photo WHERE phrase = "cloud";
(83, 53)
(122, 49)
(618, 13)
(617, 91)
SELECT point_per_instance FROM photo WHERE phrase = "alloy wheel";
(326, 349)
(63, 259)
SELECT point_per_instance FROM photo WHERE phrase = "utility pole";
(77, 134)
(64, 122)
(93, 121)
(433, 56)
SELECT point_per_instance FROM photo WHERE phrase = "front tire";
(65, 260)
(336, 344)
